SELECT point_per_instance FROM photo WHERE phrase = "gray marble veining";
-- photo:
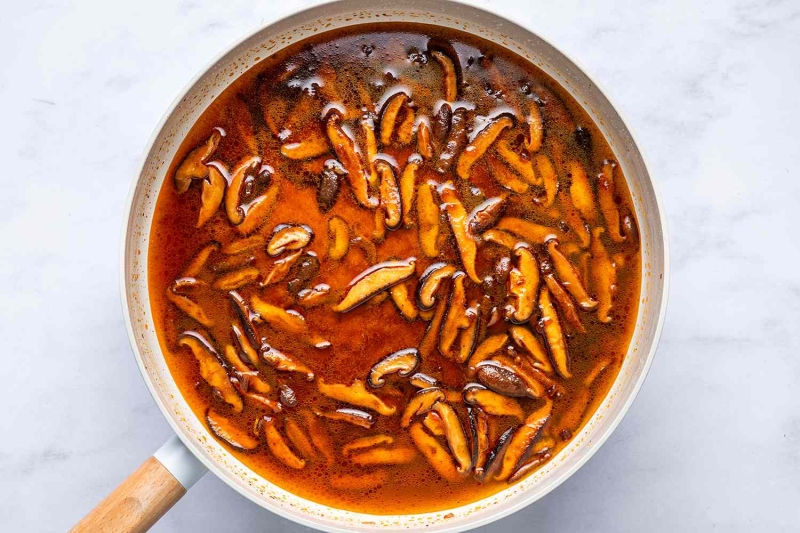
(713, 441)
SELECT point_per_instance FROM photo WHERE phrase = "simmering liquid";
(394, 268)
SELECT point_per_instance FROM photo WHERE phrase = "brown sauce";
(305, 435)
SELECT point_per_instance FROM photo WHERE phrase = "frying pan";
(148, 493)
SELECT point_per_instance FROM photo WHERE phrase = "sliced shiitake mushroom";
(479, 424)
(288, 396)
(491, 402)
(259, 401)
(437, 456)
(573, 218)
(456, 317)
(278, 446)
(329, 184)
(503, 238)
(604, 276)
(535, 128)
(313, 146)
(389, 195)
(345, 150)
(384, 456)
(428, 220)
(299, 439)
(405, 130)
(503, 380)
(486, 349)
(554, 334)
(289, 237)
(549, 177)
(505, 177)
(565, 302)
(538, 382)
(441, 122)
(403, 301)
(402, 362)
(199, 261)
(455, 436)
(570, 277)
(494, 460)
(317, 295)
(523, 167)
(469, 335)
(238, 278)
(605, 197)
(211, 368)
(246, 316)
(408, 184)
(534, 461)
(371, 146)
(522, 440)
(355, 394)
(247, 349)
(529, 231)
(257, 211)
(246, 167)
(302, 272)
(283, 362)
(523, 282)
(227, 431)
(280, 268)
(362, 443)
(526, 339)
(357, 417)
(430, 281)
(480, 143)
(212, 195)
(423, 381)
(233, 359)
(389, 113)
(287, 321)
(456, 140)
(338, 237)
(194, 166)
(430, 339)
(189, 307)
(457, 216)
(449, 75)
(319, 436)
(421, 403)
(485, 214)
(581, 192)
(424, 144)
(374, 280)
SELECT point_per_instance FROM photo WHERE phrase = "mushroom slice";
(402, 362)
(257, 211)
(504, 380)
(251, 380)
(530, 231)
(486, 349)
(581, 191)
(526, 339)
(564, 301)
(457, 215)
(233, 359)
(328, 187)
(441, 122)
(570, 277)
(244, 344)
(423, 381)
(596, 371)
(262, 401)
(390, 195)
(549, 177)
(535, 128)
(480, 143)
(424, 145)
(479, 424)
(605, 197)
(374, 280)
(495, 458)
(535, 461)
(385, 456)
(212, 195)
(283, 362)
(315, 146)
(523, 282)
(236, 279)
(428, 218)
(469, 336)
(408, 183)
(278, 446)
(338, 237)
(225, 430)
(280, 268)
(389, 115)
(448, 74)
(604, 276)
(359, 483)
(245, 168)
(366, 442)
(485, 215)
(289, 237)
(199, 261)
(456, 317)
(430, 281)
(299, 439)
(456, 140)
(573, 219)
(403, 301)
(243, 245)
(491, 402)
(522, 440)
(319, 436)
(355, 394)
(437, 456)
(314, 296)
(503, 238)
(455, 436)
(368, 129)
(357, 417)
(554, 334)
(211, 369)
(421, 403)
(287, 321)
(345, 150)
(189, 307)
(505, 177)
(405, 131)
(433, 423)
(430, 339)
(523, 167)
(194, 166)
(245, 314)
(539, 382)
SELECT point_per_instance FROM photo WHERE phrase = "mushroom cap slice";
(194, 166)
(402, 362)
(225, 430)
(374, 280)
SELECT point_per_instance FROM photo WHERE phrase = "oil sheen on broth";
(394, 268)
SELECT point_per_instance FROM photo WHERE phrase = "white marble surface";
(711, 88)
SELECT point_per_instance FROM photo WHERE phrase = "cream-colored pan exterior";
(221, 73)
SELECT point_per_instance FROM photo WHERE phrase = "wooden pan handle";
(139, 501)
